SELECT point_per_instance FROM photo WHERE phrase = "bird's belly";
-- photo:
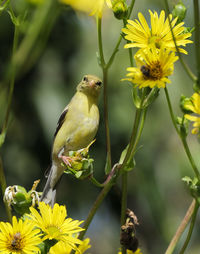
(82, 135)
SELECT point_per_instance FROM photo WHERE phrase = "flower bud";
(179, 11)
(184, 103)
(120, 9)
(17, 197)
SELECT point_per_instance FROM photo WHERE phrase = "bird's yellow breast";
(80, 125)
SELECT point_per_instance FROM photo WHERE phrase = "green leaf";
(107, 166)
(151, 97)
(136, 98)
(130, 165)
(78, 174)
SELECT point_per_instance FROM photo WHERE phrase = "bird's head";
(90, 85)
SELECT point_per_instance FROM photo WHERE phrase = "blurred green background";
(156, 192)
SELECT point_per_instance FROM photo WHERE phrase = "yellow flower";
(61, 248)
(93, 7)
(159, 35)
(138, 251)
(54, 224)
(153, 68)
(20, 237)
(194, 107)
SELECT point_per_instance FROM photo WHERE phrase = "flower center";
(16, 242)
(156, 40)
(53, 232)
(153, 72)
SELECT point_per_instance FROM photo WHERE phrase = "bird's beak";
(92, 83)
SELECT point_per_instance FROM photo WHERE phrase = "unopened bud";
(120, 9)
(179, 11)
(185, 104)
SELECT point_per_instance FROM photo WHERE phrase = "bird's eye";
(98, 83)
(85, 79)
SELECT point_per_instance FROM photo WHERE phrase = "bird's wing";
(61, 120)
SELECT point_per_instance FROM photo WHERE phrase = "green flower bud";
(17, 197)
(184, 103)
(120, 9)
(179, 11)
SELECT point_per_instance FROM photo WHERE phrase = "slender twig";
(194, 215)
(181, 228)
(185, 66)
(183, 138)
(3, 188)
(105, 92)
(97, 203)
(12, 84)
(197, 37)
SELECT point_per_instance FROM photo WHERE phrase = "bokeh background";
(156, 192)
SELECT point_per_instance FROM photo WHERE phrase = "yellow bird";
(76, 128)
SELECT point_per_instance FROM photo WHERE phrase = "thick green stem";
(181, 228)
(3, 188)
(105, 92)
(185, 66)
(183, 139)
(197, 37)
(194, 216)
(95, 207)
(105, 99)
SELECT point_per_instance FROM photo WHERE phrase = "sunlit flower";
(20, 237)
(195, 108)
(138, 251)
(54, 224)
(159, 34)
(92, 7)
(153, 68)
(60, 248)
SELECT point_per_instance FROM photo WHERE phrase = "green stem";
(197, 37)
(100, 43)
(139, 132)
(3, 188)
(105, 92)
(95, 182)
(12, 84)
(116, 48)
(183, 138)
(194, 216)
(181, 228)
(185, 66)
(124, 202)
(37, 28)
(95, 207)
(131, 8)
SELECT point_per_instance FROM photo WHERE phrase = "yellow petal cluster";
(54, 224)
(61, 248)
(20, 237)
(153, 68)
(92, 7)
(159, 34)
(195, 108)
(138, 251)
(156, 56)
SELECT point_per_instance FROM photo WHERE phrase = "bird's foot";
(67, 160)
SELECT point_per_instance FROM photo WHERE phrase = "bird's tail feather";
(49, 194)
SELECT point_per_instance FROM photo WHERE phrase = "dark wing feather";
(61, 120)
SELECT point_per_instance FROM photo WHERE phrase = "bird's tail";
(49, 193)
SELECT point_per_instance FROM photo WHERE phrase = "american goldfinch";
(76, 128)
